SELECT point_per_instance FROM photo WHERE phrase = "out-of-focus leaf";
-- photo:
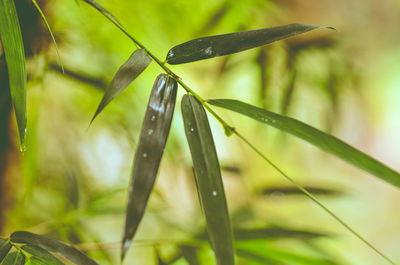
(273, 233)
(219, 45)
(153, 138)
(5, 247)
(52, 245)
(288, 95)
(208, 178)
(41, 254)
(190, 254)
(253, 256)
(314, 136)
(216, 17)
(14, 258)
(263, 250)
(11, 38)
(296, 191)
(129, 71)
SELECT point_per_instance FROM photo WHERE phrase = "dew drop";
(153, 118)
(144, 155)
(191, 129)
(208, 51)
(150, 132)
(214, 193)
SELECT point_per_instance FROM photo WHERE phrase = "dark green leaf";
(129, 71)
(219, 45)
(5, 247)
(190, 254)
(15, 57)
(208, 178)
(274, 233)
(14, 258)
(102, 10)
(153, 138)
(314, 136)
(43, 255)
(53, 245)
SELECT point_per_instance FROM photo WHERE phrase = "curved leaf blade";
(43, 255)
(153, 138)
(5, 247)
(208, 178)
(219, 45)
(14, 258)
(126, 74)
(52, 245)
(11, 38)
(322, 140)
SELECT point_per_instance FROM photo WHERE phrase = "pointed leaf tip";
(320, 139)
(126, 74)
(153, 138)
(208, 178)
(219, 45)
(15, 58)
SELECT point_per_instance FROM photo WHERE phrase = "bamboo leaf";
(52, 245)
(129, 71)
(208, 178)
(11, 38)
(219, 45)
(295, 191)
(274, 233)
(14, 258)
(41, 254)
(5, 247)
(314, 136)
(103, 11)
(153, 138)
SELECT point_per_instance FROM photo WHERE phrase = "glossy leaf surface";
(219, 45)
(11, 38)
(129, 71)
(5, 247)
(314, 136)
(208, 179)
(14, 258)
(153, 138)
(53, 245)
(41, 254)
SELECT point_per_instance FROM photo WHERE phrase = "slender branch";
(234, 131)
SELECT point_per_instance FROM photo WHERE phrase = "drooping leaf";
(129, 71)
(103, 11)
(153, 138)
(11, 38)
(208, 179)
(52, 245)
(5, 247)
(259, 258)
(43, 255)
(219, 45)
(314, 136)
(14, 258)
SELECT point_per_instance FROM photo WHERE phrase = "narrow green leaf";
(14, 258)
(314, 136)
(43, 255)
(153, 138)
(5, 247)
(274, 233)
(208, 178)
(103, 11)
(219, 45)
(52, 245)
(129, 71)
(11, 38)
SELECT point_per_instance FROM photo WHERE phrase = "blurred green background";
(71, 183)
